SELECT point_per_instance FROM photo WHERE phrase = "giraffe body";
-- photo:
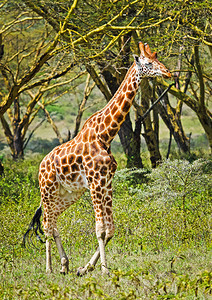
(86, 162)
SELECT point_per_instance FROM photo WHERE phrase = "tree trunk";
(1, 169)
(14, 138)
(149, 134)
(18, 144)
(203, 113)
(206, 122)
(155, 123)
(174, 124)
(131, 142)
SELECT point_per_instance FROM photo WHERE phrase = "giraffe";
(86, 162)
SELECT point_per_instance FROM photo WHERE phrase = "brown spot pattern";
(86, 161)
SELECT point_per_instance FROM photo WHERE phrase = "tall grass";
(161, 248)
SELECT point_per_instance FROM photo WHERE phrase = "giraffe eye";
(148, 65)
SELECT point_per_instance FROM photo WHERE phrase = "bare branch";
(50, 120)
(5, 1)
(199, 74)
(32, 132)
(194, 105)
(96, 78)
(7, 131)
(49, 78)
(31, 119)
(87, 92)
(64, 82)
(35, 98)
(15, 22)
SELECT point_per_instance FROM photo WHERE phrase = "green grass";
(153, 255)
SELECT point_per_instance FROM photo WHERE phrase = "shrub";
(185, 188)
(161, 248)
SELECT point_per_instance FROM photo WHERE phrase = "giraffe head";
(148, 65)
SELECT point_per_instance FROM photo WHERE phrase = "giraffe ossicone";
(86, 162)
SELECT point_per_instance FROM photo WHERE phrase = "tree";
(43, 53)
(197, 101)
(170, 26)
(25, 86)
(101, 35)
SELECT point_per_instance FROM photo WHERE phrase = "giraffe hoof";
(81, 271)
(79, 274)
(105, 271)
(63, 273)
(65, 266)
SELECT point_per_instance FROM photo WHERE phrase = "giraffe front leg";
(100, 233)
(90, 266)
(109, 223)
(105, 236)
(92, 263)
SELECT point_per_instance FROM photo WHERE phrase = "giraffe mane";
(115, 95)
(121, 85)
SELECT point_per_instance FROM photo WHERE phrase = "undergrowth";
(161, 248)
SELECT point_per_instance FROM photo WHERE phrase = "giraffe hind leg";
(63, 256)
(64, 200)
(50, 228)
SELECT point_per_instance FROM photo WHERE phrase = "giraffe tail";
(35, 226)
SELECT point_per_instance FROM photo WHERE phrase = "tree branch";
(140, 111)
(96, 78)
(64, 82)
(49, 78)
(32, 132)
(7, 131)
(5, 1)
(199, 74)
(180, 95)
(6, 103)
(49, 119)
(87, 92)
(15, 22)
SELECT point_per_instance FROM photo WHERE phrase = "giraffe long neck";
(114, 113)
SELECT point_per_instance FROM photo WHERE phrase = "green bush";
(161, 248)
(20, 181)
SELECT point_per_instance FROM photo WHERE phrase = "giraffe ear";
(147, 48)
(142, 49)
(154, 55)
